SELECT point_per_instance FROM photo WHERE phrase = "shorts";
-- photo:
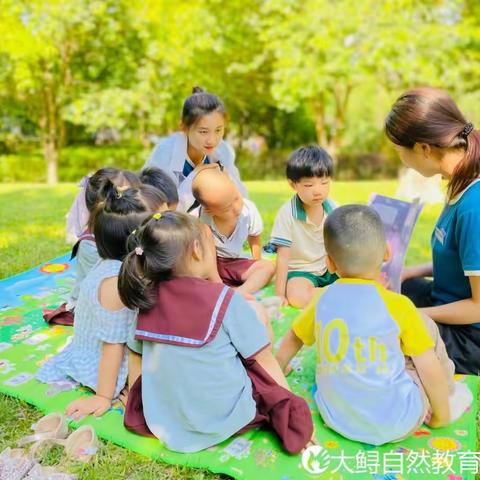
(232, 269)
(318, 280)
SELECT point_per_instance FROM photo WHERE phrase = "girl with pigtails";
(97, 356)
(207, 370)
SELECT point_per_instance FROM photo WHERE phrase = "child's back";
(362, 384)
(211, 375)
(80, 360)
(380, 364)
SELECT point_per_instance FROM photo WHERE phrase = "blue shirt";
(194, 398)
(456, 247)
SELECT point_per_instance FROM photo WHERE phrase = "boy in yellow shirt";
(363, 334)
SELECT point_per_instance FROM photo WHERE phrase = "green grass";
(32, 223)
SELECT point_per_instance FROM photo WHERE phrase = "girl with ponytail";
(97, 357)
(432, 136)
(198, 145)
(207, 370)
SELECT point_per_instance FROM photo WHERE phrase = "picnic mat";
(26, 342)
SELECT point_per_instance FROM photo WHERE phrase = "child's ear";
(331, 267)
(197, 251)
(388, 252)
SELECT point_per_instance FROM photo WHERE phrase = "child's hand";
(95, 405)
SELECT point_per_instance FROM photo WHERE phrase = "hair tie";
(467, 130)
(120, 190)
(157, 216)
(139, 251)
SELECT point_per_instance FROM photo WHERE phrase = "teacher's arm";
(424, 270)
(463, 312)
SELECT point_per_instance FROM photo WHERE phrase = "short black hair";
(310, 161)
(355, 239)
(158, 178)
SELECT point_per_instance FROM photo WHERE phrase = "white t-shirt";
(249, 224)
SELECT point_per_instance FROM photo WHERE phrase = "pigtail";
(156, 250)
(132, 285)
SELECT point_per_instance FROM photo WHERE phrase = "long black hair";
(156, 249)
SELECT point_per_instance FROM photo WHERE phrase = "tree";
(58, 49)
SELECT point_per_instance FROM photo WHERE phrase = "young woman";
(199, 145)
(432, 136)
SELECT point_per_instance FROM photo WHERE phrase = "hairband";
(120, 190)
(157, 216)
(467, 130)
(138, 251)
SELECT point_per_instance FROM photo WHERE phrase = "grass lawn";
(32, 222)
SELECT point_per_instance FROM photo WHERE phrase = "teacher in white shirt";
(197, 146)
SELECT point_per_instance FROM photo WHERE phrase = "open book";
(399, 218)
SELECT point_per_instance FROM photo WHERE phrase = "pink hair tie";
(138, 250)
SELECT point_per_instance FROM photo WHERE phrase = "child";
(159, 179)
(298, 229)
(365, 390)
(199, 145)
(85, 249)
(233, 220)
(207, 367)
(96, 357)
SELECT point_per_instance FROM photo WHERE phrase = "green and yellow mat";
(26, 342)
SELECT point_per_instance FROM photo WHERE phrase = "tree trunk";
(50, 153)
(323, 138)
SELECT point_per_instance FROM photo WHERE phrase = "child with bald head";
(372, 344)
(233, 220)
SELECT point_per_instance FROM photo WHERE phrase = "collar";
(359, 281)
(453, 201)
(298, 210)
(188, 312)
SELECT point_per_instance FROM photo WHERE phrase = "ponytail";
(469, 168)
(122, 211)
(156, 250)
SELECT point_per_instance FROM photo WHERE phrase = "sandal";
(14, 464)
(52, 426)
(80, 445)
(38, 472)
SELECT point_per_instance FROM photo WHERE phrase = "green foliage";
(289, 72)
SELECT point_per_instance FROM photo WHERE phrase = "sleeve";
(78, 215)
(467, 233)
(161, 157)
(116, 328)
(304, 325)
(256, 224)
(133, 344)
(414, 336)
(282, 231)
(87, 257)
(246, 331)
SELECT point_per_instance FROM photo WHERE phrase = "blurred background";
(88, 83)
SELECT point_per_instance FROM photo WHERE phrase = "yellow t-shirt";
(414, 337)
